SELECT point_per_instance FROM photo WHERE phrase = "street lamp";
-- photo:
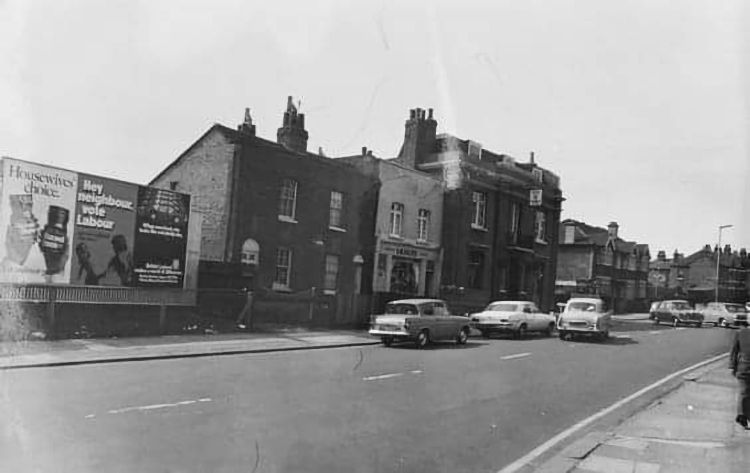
(718, 260)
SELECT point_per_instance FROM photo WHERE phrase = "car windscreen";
(502, 307)
(582, 306)
(680, 306)
(404, 309)
(735, 308)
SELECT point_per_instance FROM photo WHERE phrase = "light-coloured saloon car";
(724, 314)
(585, 316)
(514, 317)
(420, 321)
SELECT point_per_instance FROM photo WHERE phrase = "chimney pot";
(430, 114)
(412, 114)
(364, 150)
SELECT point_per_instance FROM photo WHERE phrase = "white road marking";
(655, 332)
(152, 407)
(388, 375)
(681, 328)
(541, 449)
(513, 357)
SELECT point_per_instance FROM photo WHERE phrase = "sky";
(640, 106)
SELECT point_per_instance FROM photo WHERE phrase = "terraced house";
(596, 261)
(297, 228)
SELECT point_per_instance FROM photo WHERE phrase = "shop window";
(540, 225)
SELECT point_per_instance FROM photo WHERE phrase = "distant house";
(694, 277)
(595, 260)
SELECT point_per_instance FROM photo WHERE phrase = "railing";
(96, 294)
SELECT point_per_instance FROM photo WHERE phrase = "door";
(448, 327)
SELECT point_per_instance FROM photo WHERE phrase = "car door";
(663, 312)
(447, 323)
(430, 320)
(536, 319)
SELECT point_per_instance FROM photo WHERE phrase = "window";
(336, 209)
(540, 226)
(283, 268)
(288, 198)
(332, 272)
(538, 175)
(397, 218)
(423, 225)
(250, 252)
(479, 218)
(476, 269)
(515, 219)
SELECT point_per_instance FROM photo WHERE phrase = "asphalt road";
(472, 408)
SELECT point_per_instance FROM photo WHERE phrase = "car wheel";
(656, 320)
(387, 341)
(485, 334)
(550, 328)
(423, 338)
(562, 335)
(675, 322)
(605, 335)
(521, 332)
(722, 322)
(698, 324)
(463, 336)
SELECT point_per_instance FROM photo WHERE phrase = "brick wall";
(204, 173)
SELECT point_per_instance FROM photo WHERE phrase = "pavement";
(29, 354)
(690, 429)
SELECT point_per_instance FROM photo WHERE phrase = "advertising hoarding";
(62, 227)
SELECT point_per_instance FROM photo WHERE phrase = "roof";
(511, 302)
(585, 299)
(586, 234)
(240, 137)
(415, 301)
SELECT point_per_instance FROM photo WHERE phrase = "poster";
(160, 237)
(37, 208)
(104, 230)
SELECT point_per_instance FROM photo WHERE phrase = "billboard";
(62, 227)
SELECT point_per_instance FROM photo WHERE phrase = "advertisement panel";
(38, 204)
(62, 227)
(160, 237)
(104, 232)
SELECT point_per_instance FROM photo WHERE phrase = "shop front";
(405, 270)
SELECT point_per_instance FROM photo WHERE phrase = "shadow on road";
(446, 345)
(609, 341)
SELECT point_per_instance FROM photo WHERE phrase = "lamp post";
(718, 260)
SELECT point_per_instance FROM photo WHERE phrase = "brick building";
(408, 230)
(595, 260)
(296, 227)
(500, 217)
(694, 277)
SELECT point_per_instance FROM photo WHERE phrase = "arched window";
(250, 252)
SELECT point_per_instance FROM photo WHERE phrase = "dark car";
(675, 312)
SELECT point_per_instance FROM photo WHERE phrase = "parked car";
(585, 316)
(676, 312)
(724, 314)
(514, 317)
(420, 321)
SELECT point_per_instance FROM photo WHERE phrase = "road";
(472, 408)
